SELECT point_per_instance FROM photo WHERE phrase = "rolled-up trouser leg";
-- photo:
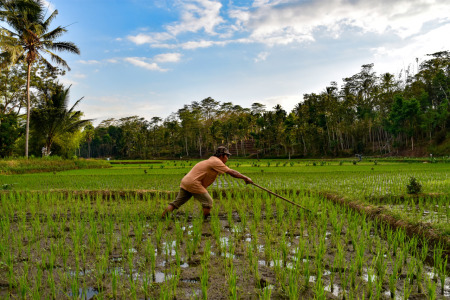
(205, 199)
(182, 197)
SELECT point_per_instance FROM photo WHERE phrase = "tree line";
(368, 114)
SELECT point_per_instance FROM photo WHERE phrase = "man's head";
(222, 152)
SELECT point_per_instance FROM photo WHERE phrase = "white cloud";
(288, 102)
(149, 38)
(197, 44)
(289, 21)
(143, 63)
(120, 106)
(66, 81)
(79, 75)
(164, 46)
(168, 57)
(261, 56)
(89, 62)
(197, 15)
(416, 47)
(283, 22)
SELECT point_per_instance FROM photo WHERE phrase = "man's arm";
(236, 174)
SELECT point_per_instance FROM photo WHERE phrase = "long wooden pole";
(270, 192)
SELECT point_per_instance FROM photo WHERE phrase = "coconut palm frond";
(47, 22)
(58, 60)
(66, 46)
(54, 34)
(47, 64)
(76, 103)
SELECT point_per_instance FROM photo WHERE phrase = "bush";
(414, 187)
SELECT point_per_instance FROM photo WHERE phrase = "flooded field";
(63, 246)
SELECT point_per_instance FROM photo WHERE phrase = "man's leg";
(206, 201)
(182, 197)
(169, 208)
(206, 212)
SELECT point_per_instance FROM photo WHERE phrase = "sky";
(150, 58)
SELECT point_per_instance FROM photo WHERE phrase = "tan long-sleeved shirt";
(203, 175)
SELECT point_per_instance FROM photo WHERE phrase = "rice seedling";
(146, 283)
(266, 293)
(74, 288)
(204, 275)
(306, 273)
(431, 288)
(370, 282)
(407, 290)
(293, 284)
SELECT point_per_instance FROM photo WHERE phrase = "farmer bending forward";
(200, 177)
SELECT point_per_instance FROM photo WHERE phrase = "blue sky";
(149, 58)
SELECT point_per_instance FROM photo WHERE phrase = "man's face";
(224, 158)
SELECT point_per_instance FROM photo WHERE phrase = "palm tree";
(29, 39)
(52, 118)
(9, 46)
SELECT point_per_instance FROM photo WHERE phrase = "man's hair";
(221, 151)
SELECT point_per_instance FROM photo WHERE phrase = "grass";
(48, 164)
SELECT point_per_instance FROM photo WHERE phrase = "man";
(202, 175)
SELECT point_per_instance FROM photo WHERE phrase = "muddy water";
(234, 237)
(85, 294)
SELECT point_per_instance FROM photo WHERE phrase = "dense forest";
(368, 114)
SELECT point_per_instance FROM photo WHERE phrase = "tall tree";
(53, 118)
(30, 33)
(89, 134)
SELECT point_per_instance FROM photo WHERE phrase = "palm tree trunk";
(27, 130)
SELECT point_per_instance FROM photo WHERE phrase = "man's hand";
(236, 174)
(248, 180)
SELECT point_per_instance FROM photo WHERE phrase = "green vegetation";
(383, 183)
(48, 164)
(414, 187)
(80, 233)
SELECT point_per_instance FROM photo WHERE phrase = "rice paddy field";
(97, 233)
